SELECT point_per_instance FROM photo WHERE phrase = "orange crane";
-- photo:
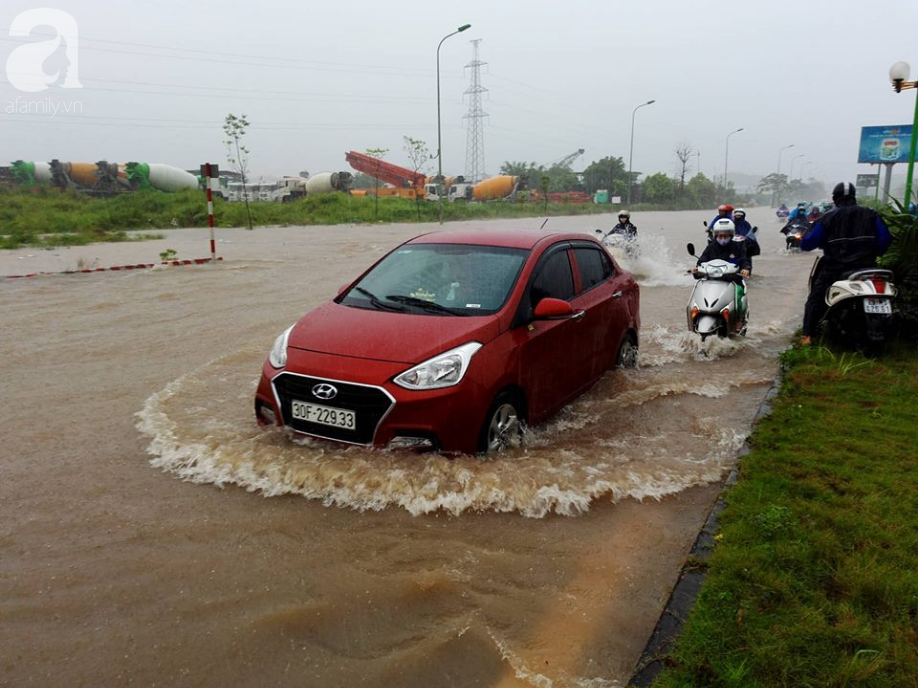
(407, 184)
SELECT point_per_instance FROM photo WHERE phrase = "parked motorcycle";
(621, 245)
(713, 308)
(860, 313)
(794, 233)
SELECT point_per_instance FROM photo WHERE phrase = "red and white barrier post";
(210, 171)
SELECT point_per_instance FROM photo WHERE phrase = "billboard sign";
(885, 144)
(867, 181)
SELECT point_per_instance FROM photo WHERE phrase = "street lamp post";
(631, 153)
(774, 198)
(898, 74)
(727, 155)
(790, 177)
(803, 167)
(698, 155)
(780, 153)
(439, 137)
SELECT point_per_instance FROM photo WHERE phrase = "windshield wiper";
(424, 305)
(375, 300)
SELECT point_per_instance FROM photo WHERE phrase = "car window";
(594, 267)
(475, 280)
(554, 279)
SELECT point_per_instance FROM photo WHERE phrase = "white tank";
(43, 172)
(324, 182)
(168, 178)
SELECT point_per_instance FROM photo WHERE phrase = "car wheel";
(627, 353)
(503, 425)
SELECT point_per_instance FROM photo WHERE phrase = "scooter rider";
(724, 212)
(724, 248)
(744, 229)
(851, 237)
(798, 213)
(624, 226)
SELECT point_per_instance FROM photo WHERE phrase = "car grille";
(371, 404)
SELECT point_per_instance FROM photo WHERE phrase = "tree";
(419, 156)
(776, 185)
(235, 129)
(379, 154)
(701, 190)
(607, 173)
(683, 153)
(658, 188)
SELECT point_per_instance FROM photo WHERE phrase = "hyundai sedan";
(454, 341)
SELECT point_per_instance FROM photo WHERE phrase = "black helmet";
(843, 190)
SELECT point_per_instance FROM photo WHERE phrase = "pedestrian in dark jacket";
(851, 238)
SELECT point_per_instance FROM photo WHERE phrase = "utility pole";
(474, 143)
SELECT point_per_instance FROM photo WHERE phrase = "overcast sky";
(317, 79)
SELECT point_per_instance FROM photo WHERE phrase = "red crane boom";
(400, 177)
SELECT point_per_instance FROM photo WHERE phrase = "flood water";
(152, 535)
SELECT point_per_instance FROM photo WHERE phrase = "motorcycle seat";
(868, 273)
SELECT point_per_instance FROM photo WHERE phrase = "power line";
(382, 70)
(199, 51)
(196, 124)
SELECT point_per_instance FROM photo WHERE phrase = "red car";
(453, 341)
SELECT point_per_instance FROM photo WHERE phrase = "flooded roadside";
(540, 568)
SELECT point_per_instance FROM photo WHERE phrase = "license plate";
(323, 415)
(883, 306)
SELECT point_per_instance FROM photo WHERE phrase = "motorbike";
(860, 312)
(712, 308)
(794, 233)
(620, 244)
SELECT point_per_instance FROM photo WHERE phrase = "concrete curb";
(117, 268)
(682, 598)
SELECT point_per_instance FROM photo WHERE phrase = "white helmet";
(624, 213)
(739, 211)
(724, 226)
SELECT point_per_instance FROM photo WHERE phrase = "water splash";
(202, 430)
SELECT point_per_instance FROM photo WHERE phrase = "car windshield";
(440, 279)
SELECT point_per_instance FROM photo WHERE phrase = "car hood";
(387, 336)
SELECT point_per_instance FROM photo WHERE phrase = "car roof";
(506, 238)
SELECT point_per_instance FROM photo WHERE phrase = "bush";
(902, 259)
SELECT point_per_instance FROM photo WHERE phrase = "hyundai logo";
(324, 391)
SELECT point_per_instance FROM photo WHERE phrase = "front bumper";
(449, 419)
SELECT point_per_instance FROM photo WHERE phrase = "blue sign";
(885, 144)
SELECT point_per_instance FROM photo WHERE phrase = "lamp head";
(897, 74)
(464, 27)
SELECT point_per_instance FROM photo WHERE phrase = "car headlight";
(278, 355)
(444, 370)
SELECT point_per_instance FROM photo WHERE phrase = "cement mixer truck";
(103, 177)
(502, 187)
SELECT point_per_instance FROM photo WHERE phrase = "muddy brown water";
(241, 558)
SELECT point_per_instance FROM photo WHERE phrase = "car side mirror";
(552, 309)
(691, 249)
(599, 231)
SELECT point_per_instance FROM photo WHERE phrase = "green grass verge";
(814, 580)
(47, 217)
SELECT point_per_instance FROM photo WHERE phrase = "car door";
(601, 295)
(550, 370)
